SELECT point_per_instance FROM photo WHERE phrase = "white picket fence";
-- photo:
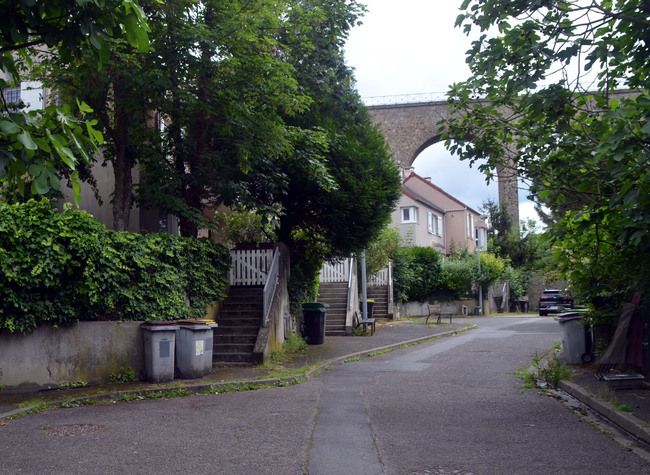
(250, 266)
(336, 271)
(379, 279)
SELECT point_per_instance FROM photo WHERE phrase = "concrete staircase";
(240, 321)
(380, 296)
(335, 294)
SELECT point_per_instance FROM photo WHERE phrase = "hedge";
(61, 267)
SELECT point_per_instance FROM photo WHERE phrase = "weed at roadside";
(124, 375)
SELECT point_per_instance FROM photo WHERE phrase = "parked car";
(554, 301)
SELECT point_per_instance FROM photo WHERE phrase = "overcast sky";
(412, 47)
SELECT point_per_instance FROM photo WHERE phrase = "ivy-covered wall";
(61, 267)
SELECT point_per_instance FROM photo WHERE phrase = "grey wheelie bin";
(576, 347)
(193, 349)
(159, 343)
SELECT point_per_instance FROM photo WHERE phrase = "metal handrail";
(271, 285)
(350, 276)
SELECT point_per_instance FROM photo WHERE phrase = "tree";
(340, 210)
(524, 249)
(542, 99)
(38, 144)
(122, 95)
(228, 91)
(382, 249)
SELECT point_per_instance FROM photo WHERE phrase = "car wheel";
(543, 313)
(587, 357)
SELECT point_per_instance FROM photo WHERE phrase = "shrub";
(61, 267)
(416, 273)
(419, 274)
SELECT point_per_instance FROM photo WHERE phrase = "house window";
(12, 98)
(409, 215)
(470, 225)
(431, 223)
(439, 225)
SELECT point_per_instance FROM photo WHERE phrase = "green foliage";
(427, 269)
(60, 267)
(459, 278)
(244, 227)
(34, 146)
(403, 274)
(492, 268)
(519, 280)
(124, 375)
(382, 249)
(419, 274)
(80, 383)
(523, 249)
(583, 148)
(554, 372)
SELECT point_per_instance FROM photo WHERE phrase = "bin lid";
(194, 325)
(158, 326)
(315, 306)
(569, 316)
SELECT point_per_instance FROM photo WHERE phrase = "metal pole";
(364, 295)
(480, 287)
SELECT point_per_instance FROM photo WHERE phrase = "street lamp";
(478, 245)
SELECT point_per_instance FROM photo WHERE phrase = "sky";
(412, 47)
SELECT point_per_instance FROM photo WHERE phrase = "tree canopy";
(38, 143)
(544, 98)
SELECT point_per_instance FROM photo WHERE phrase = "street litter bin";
(576, 335)
(193, 349)
(159, 343)
(523, 304)
(315, 314)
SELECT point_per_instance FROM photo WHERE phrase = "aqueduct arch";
(411, 128)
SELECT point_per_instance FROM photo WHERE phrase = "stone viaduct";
(410, 128)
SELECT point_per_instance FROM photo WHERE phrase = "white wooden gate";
(336, 271)
(250, 267)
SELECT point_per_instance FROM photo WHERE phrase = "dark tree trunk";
(123, 162)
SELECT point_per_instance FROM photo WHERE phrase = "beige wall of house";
(105, 184)
(459, 220)
(422, 226)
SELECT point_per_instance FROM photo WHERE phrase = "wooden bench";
(436, 310)
(358, 320)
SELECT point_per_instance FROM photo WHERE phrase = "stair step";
(233, 358)
(222, 349)
(245, 339)
(239, 324)
(231, 320)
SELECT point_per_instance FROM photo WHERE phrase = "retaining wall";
(89, 351)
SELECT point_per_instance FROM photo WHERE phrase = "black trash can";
(315, 314)
(371, 304)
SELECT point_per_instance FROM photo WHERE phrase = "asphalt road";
(449, 406)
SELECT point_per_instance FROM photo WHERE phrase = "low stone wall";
(419, 309)
(88, 351)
